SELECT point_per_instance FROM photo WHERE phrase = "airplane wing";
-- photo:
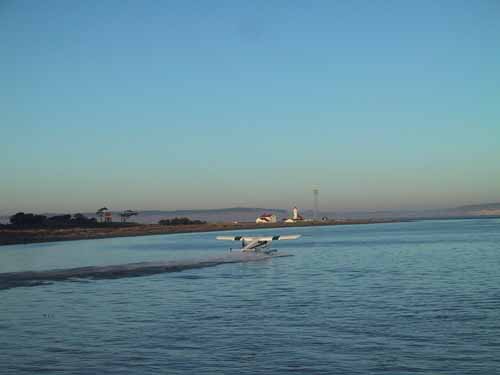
(279, 238)
(263, 239)
(228, 238)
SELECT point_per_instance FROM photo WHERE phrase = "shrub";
(27, 220)
(22, 220)
(181, 221)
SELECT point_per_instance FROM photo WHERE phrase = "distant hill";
(488, 209)
(211, 215)
(242, 214)
(477, 210)
(249, 214)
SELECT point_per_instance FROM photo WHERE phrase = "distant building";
(295, 216)
(108, 217)
(266, 219)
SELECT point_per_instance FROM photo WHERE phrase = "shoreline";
(39, 235)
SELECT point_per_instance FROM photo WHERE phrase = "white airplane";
(257, 244)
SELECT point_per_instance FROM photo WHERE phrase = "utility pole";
(316, 193)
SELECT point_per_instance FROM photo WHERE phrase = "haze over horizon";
(192, 105)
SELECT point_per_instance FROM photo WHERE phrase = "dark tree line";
(180, 221)
(22, 220)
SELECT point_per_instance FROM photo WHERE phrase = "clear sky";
(203, 104)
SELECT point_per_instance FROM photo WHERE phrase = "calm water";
(421, 297)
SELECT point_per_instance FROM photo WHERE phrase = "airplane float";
(257, 244)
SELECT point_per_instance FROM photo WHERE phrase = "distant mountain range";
(242, 214)
(477, 210)
(245, 214)
(211, 215)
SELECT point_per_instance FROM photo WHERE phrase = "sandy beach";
(25, 236)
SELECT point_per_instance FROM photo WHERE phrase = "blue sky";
(200, 104)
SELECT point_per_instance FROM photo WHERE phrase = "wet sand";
(25, 236)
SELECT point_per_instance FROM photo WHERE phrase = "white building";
(295, 216)
(266, 219)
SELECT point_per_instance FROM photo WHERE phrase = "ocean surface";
(403, 298)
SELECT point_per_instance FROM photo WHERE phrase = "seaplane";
(257, 244)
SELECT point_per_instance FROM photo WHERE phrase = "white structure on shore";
(266, 219)
(295, 216)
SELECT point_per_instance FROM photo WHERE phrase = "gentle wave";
(33, 278)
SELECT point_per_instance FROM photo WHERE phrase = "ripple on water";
(420, 297)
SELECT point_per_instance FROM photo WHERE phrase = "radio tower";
(315, 192)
